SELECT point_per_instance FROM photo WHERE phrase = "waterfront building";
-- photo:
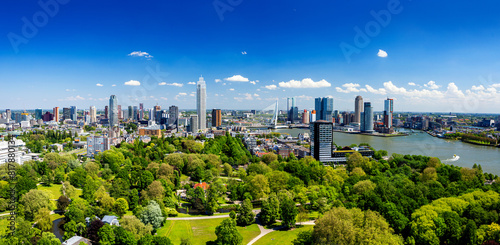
(324, 108)
(322, 141)
(388, 111)
(113, 111)
(367, 118)
(313, 116)
(216, 117)
(358, 108)
(201, 103)
(305, 117)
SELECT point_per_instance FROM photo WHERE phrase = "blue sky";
(440, 56)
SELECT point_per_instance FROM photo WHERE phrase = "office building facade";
(367, 118)
(322, 140)
(324, 108)
(358, 108)
(216, 117)
(113, 111)
(388, 111)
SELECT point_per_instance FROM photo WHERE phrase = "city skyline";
(447, 63)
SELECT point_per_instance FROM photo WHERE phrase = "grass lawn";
(201, 231)
(54, 190)
(282, 237)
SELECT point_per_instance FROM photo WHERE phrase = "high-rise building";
(388, 110)
(47, 117)
(157, 113)
(201, 103)
(358, 108)
(120, 115)
(173, 116)
(8, 113)
(216, 117)
(55, 111)
(367, 118)
(130, 112)
(66, 113)
(93, 114)
(305, 117)
(324, 108)
(313, 116)
(106, 112)
(193, 123)
(113, 111)
(135, 113)
(38, 113)
(141, 111)
(322, 140)
(74, 115)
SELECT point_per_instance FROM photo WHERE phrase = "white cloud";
(171, 84)
(375, 91)
(231, 89)
(253, 82)
(140, 54)
(480, 87)
(453, 91)
(496, 85)
(72, 98)
(114, 85)
(218, 80)
(237, 78)
(99, 85)
(432, 85)
(305, 83)
(69, 90)
(412, 84)
(271, 87)
(381, 53)
(191, 83)
(244, 52)
(247, 96)
(304, 97)
(182, 94)
(349, 87)
(133, 83)
(255, 95)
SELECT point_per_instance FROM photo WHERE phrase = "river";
(420, 143)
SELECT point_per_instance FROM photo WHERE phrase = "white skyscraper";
(93, 114)
(113, 111)
(201, 103)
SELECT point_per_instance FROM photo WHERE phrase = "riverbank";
(370, 134)
(464, 141)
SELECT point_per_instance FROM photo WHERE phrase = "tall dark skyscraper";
(173, 116)
(324, 108)
(388, 110)
(74, 115)
(141, 111)
(66, 113)
(367, 118)
(322, 140)
(216, 117)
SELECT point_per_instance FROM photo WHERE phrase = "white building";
(20, 152)
(201, 103)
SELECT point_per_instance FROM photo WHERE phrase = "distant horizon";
(412, 51)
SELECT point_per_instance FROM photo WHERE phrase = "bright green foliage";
(270, 210)
(288, 211)
(353, 226)
(245, 214)
(121, 206)
(152, 215)
(227, 234)
(35, 200)
(106, 235)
